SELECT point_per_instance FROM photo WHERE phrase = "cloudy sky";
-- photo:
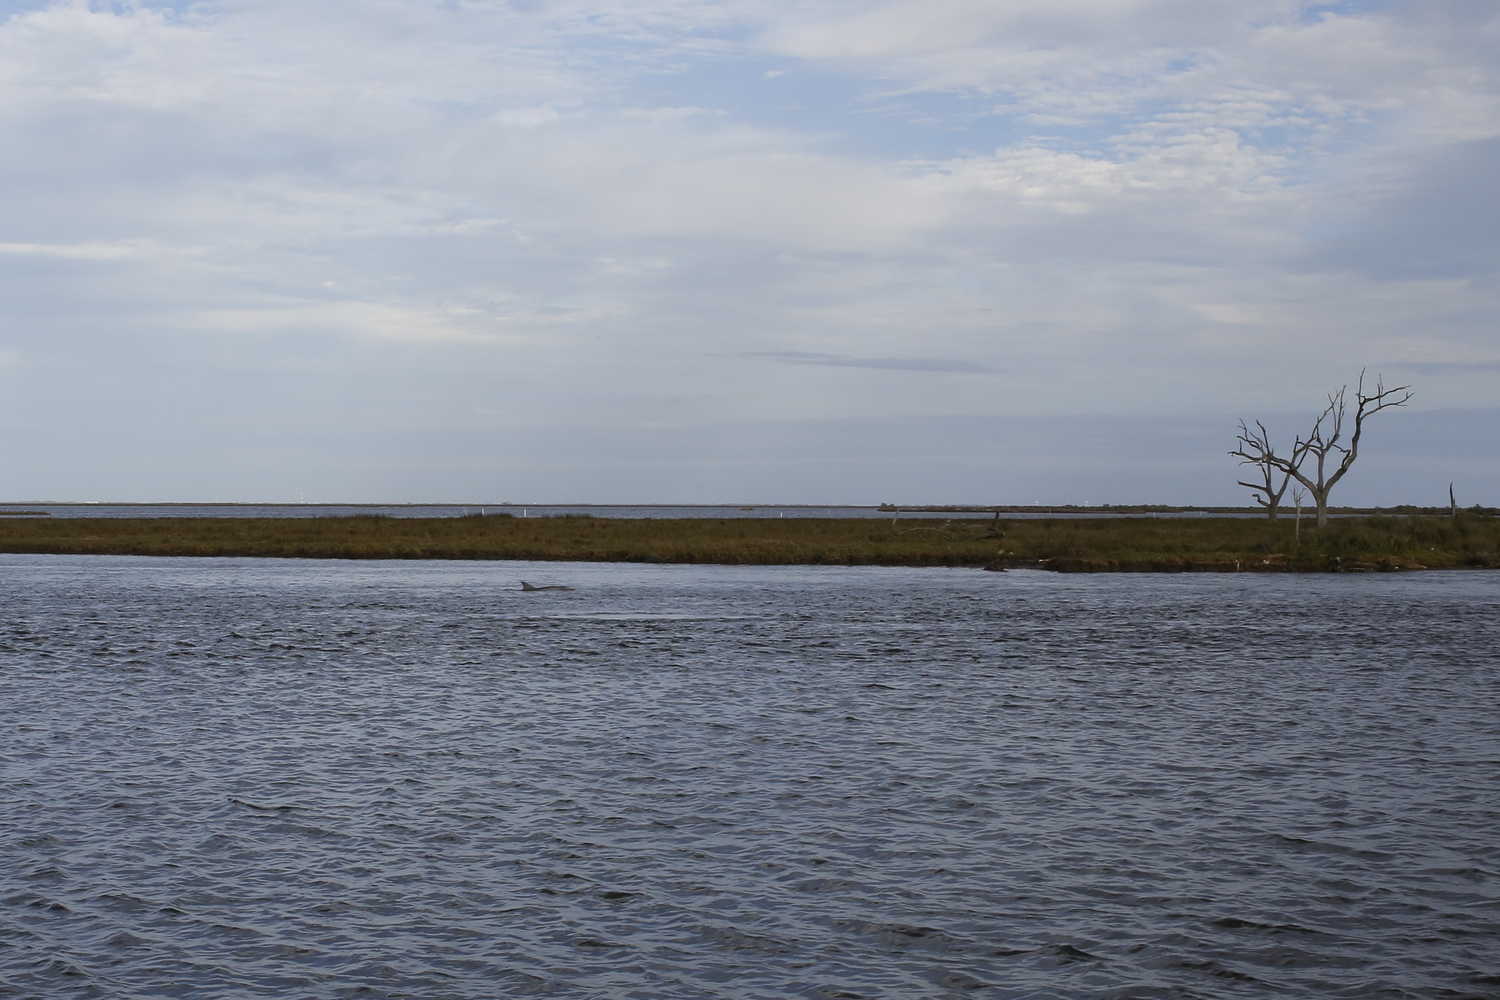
(740, 250)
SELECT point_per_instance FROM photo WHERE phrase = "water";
(718, 512)
(434, 510)
(444, 510)
(238, 778)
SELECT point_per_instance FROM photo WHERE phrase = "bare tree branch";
(1255, 449)
(1323, 442)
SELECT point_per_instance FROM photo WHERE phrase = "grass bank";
(1093, 545)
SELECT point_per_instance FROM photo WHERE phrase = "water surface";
(249, 778)
(661, 511)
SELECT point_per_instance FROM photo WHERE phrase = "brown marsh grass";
(1076, 545)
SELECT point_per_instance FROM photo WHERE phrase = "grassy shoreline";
(1064, 545)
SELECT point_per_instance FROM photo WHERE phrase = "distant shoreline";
(1101, 544)
(25, 507)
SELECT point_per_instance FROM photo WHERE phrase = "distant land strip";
(1105, 544)
(33, 508)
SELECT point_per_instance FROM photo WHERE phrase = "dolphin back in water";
(556, 586)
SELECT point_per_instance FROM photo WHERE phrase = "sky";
(823, 251)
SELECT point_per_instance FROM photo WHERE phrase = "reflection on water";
(237, 778)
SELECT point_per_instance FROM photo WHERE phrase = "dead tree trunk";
(1331, 458)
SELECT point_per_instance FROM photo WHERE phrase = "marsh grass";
(1084, 545)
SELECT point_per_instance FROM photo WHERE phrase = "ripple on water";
(234, 778)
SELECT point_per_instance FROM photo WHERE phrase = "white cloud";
(77, 251)
(670, 114)
(1130, 205)
(527, 117)
(353, 319)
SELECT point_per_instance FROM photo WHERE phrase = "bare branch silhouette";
(1323, 444)
(1255, 449)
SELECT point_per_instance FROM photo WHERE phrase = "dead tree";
(1323, 444)
(1255, 449)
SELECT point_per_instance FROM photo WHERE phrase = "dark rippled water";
(235, 778)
